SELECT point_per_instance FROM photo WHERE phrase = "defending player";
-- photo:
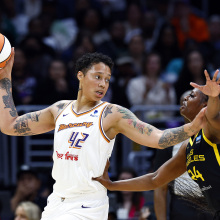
(199, 155)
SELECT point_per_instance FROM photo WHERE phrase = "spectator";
(192, 71)
(56, 85)
(149, 89)
(188, 24)
(35, 27)
(214, 29)
(18, 20)
(38, 55)
(83, 44)
(115, 46)
(130, 201)
(124, 72)
(30, 8)
(24, 84)
(134, 16)
(92, 24)
(27, 211)
(150, 28)
(6, 26)
(113, 8)
(167, 44)
(137, 52)
(27, 188)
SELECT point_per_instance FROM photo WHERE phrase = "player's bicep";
(137, 130)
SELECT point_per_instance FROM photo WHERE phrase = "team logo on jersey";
(94, 114)
(198, 139)
(70, 125)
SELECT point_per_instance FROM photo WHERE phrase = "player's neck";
(82, 105)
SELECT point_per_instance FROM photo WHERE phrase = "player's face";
(192, 104)
(95, 82)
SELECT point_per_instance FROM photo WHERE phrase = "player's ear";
(80, 75)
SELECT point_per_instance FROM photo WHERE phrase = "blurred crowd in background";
(158, 47)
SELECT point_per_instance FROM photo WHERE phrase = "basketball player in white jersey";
(85, 131)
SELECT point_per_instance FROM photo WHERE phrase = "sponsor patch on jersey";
(70, 125)
(68, 156)
(198, 139)
(94, 114)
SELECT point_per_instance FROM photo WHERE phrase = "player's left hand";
(200, 120)
(212, 87)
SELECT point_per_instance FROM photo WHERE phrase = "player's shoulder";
(58, 106)
(116, 111)
(184, 146)
(61, 104)
(116, 107)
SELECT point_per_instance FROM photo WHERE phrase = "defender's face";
(95, 82)
(192, 104)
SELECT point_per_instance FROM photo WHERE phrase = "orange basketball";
(5, 50)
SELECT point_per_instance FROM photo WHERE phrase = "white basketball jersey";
(81, 150)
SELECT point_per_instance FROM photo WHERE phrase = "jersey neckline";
(85, 112)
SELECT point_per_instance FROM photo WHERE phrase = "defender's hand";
(212, 87)
(104, 179)
(200, 120)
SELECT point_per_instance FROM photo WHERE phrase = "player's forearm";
(142, 183)
(213, 107)
(174, 136)
(8, 111)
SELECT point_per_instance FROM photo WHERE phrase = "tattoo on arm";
(5, 84)
(21, 127)
(172, 137)
(108, 111)
(60, 106)
(132, 120)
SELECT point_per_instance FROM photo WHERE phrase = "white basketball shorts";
(93, 206)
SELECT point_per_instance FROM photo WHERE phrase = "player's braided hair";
(85, 62)
(191, 194)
